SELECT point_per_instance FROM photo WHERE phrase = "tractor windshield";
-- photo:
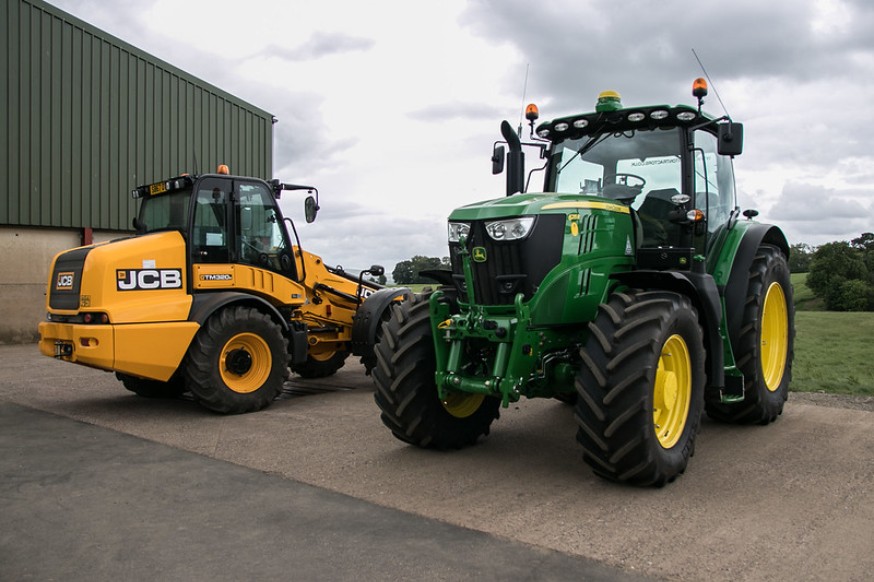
(628, 165)
(165, 211)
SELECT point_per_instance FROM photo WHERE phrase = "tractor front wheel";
(407, 394)
(764, 348)
(237, 362)
(641, 387)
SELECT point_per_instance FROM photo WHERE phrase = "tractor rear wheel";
(765, 346)
(152, 388)
(237, 362)
(641, 387)
(321, 364)
(407, 394)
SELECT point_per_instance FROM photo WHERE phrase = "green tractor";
(631, 286)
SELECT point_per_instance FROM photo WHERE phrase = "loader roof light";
(532, 113)
(511, 229)
(699, 87)
(223, 169)
(608, 101)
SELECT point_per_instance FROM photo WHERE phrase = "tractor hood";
(534, 203)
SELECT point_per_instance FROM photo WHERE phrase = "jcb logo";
(64, 282)
(145, 279)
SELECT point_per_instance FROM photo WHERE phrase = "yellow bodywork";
(149, 331)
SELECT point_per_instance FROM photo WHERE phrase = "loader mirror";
(731, 139)
(311, 208)
(376, 270)
(498, 160)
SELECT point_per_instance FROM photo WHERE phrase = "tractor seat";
(654, 215)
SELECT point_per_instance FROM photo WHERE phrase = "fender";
(736, 288)
(702, 290)
(368, 318)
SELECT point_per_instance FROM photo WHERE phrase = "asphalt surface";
(99, 484)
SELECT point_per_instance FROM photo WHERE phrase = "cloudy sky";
(391, 107)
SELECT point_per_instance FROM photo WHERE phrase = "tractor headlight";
(458, 230)
(512, 229)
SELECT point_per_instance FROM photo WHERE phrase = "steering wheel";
(619, 188)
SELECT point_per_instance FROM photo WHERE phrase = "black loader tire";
(406, 392)
(641, 387)
(765, 347)
(238, 361)
(321, 368)
(152, 388)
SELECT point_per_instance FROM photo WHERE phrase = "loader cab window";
(260, 234)
(714, 181)
(209, 232)
(165, 212)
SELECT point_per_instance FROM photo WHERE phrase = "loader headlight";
(458, 230)
(512, 229)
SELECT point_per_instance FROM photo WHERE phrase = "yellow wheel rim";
(462, 404)
(775, 336)
(321, 354)
(672, 392)
(245, 363)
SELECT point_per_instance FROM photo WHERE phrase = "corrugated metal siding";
(85, 117)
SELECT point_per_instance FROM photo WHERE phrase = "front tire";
(321, 365)
(407, 394)
(237, 362)
(641, 388)
(765, 347)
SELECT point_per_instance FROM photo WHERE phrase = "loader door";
(260, 236)
(211, 235)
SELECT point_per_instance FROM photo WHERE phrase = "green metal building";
(84, 118)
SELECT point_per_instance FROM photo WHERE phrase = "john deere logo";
(479, 254)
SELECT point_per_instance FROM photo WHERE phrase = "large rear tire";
(641, 388)
(406, 392)
(765, 347)
(152, 388)
(237, 362)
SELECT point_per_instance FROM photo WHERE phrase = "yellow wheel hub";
(672, 392)
(245, 363)
(775, 336)
(462, 404)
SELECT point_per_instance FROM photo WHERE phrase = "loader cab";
(224, 219)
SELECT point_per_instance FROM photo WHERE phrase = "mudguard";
(368, 318)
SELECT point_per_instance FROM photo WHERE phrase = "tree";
(799, 257)
(838, 274)
(407, 272)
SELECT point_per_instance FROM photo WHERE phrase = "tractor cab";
(671, 165)
(225, 219)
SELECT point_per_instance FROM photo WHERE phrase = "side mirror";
(311, 208)
(731, 139)
(376, 270)
(498, 160)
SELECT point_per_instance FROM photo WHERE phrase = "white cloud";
(391, 107)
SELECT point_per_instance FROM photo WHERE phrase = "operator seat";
(654, 215)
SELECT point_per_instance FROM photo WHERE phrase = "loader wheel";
(405, 389)
(237, 361)
(152, 388)
(765, 347)
(641, 387)
(321, 364)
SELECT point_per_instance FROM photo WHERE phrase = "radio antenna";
(524, 94)
(712, 85)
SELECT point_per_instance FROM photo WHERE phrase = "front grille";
(510, 267)
(67, 279)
